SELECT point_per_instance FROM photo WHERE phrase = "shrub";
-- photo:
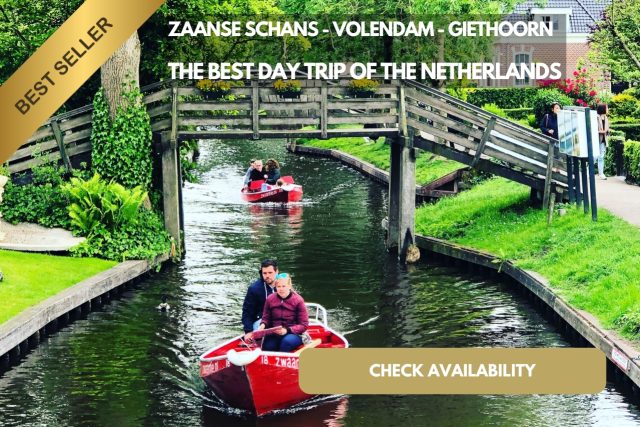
(632, 161)
(219, 86)
(502, 97)
(287, 86)
(121, 149)
(494, 109)
(95, 202)
(613, 158)
(623, 105)
(110, 216)
(518, 113)
(580, 89)
(39, 202)
(543, 100)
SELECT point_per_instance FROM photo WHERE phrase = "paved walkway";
(35, 238)
(619, 198)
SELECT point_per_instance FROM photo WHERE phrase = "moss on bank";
(32, 278)
(593, 265)
(428, 166)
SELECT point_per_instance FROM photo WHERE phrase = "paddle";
(261, 333)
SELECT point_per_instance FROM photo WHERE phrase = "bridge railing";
(473, 136)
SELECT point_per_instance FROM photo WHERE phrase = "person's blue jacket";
(549, 121)
(254, 303)
(273, 176)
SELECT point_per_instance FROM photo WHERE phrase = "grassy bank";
(593, 266)
(428, 166)
(31, 278)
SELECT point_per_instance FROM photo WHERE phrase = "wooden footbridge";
(409, 114)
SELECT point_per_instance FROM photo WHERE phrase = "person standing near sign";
(603, 133)
(549, 123)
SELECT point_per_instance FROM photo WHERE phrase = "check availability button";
(453, 371)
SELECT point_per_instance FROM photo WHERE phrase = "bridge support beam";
(402, 196)
(171, 188)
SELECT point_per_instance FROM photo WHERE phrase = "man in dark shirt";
(256, 296)
(254, 173)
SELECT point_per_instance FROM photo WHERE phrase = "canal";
(130, 365)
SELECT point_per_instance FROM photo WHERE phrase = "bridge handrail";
(480, 111)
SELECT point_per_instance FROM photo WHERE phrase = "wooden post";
(255, 108)
(395, 176)
(57, 134)
(402, 186)
(324, 112)
(548, 177)
(170, 174)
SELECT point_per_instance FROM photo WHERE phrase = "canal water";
(131, 365)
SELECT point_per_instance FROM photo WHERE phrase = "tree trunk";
(121, 73)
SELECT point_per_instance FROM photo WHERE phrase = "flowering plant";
(363, 86)
(207, 85)
(580, 88)
(287, 86)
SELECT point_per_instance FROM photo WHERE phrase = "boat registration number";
(207, 369)
(280, 362)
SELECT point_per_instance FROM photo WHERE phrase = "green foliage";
(428, 166)
(96, 202)
(615, 36)
(518, 113)
(543, 100)
(145, 238)
(630, 127)
(614, 156)
(110, 216)
(502, 97)
(531, 120)
(494, 109)
(39, 202)
(632, 160)
(623, 105)
(629, 322)
(592, 265)
(121, 150)
(188, 151)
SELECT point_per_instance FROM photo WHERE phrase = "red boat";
(259, 381)
(260, 192)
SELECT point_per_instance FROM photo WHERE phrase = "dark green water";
(130, 365)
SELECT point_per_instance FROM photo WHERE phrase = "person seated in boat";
(284, 308)
(272, 169)
(257, 294)
(254, 173)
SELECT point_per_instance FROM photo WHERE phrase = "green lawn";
(595, 266)
(428, 166)
(32, 278)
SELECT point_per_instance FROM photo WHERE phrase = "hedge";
(630, 129)
(632, 161)
(502, 97)
(518, 113)
(614, 157)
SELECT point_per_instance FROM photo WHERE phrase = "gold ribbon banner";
(452, 371)
(63, 63)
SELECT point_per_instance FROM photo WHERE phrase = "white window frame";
(527, 80)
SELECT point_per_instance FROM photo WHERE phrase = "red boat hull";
(275, 195)
(268, 383)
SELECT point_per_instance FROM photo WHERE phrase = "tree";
(615, 42)
(121, 74)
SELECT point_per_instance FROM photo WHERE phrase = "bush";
(518, 113)
(95, 202)
(40, 202)
(543, 100)
(623, 105)
(143, 239)
(630, 128)
(110, 217)
(494, 109)
(614, 157)
(632, 161)
(531, 121)
(121, 149)
(502, 97)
